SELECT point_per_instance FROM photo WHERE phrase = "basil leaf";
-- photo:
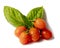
(35, 13)
(15, 17)
(12, 15)
(27, 22)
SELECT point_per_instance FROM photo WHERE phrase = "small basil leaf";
(35, 13)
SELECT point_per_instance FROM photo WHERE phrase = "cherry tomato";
(39, 23)
(35, 34)
(19, 30)
(46, 34)
(25, 38)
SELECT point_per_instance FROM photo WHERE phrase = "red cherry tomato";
(19, 30)
(24, 38)
(39, 23)
(34, 34)
(46, 34)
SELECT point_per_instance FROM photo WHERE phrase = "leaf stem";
(32, 20)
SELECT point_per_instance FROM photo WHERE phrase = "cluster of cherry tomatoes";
(35, 33)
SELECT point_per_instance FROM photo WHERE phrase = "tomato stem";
(32, 20)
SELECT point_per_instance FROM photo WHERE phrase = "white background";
(7, 37)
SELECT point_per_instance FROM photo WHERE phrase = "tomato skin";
(46, 34)
(35, 34)
(19, 30)
(39, 23)
(24, 38)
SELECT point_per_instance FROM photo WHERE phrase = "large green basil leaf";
(35, 13)
(15, 17)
